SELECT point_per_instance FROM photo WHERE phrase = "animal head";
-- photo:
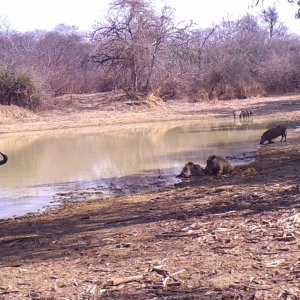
(210, 164)
(187, 170)
(263, 139)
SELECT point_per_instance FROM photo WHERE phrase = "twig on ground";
(120, 280)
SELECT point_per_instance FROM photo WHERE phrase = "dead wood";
(10, 240)
(120, 280)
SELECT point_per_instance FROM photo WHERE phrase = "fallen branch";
(178, 272)
(159, 270)
(166, 275)
(178, 234)
(10, 240)
(120, 280)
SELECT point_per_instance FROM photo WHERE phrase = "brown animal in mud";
(217, 165)
(4, 160)
(273, 133)
(191, 169)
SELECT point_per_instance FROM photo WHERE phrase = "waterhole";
(75, 165)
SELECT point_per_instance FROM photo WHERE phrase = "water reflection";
(41, 167)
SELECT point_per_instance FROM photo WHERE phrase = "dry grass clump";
(154, 101)
(225, 92)
(169, 90)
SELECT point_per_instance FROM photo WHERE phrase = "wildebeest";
(241, 114)
(217, 165)
(191, 169)
(246, 113)
(4, 160)
(273, 133)
(236, 114)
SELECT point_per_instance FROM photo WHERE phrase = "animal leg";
(285, 138)
(221, 171)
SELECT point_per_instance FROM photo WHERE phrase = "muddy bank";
(214, 238)
(227, 237)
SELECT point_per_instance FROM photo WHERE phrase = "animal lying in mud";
(274, 133)
(217, 165)
(241, 114)
(4, 160)
(191, 169)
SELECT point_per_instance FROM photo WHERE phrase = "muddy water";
(44, 170)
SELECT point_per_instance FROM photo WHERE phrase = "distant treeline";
(140, 50)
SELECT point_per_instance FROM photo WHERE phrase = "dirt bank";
(108, 111)
(227, 237)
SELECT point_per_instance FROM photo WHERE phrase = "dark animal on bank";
(217, 165)
(273, 133)
(191, 169)
(4, 160)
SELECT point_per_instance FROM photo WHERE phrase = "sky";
(30, 15)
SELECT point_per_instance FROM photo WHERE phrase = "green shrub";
(18, 88)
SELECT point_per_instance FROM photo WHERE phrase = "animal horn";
(4, 160)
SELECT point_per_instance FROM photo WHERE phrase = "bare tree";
(297, 14)
(58, 56)
(130, 40)
(270, 17)
(229, 58)
(279, 72)
(139, 49)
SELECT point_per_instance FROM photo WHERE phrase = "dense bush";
(234, 59)
(18, 88)
(169, 89)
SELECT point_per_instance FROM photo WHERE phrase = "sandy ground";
(226, 237)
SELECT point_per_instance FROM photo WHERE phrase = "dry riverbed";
(226, 237)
